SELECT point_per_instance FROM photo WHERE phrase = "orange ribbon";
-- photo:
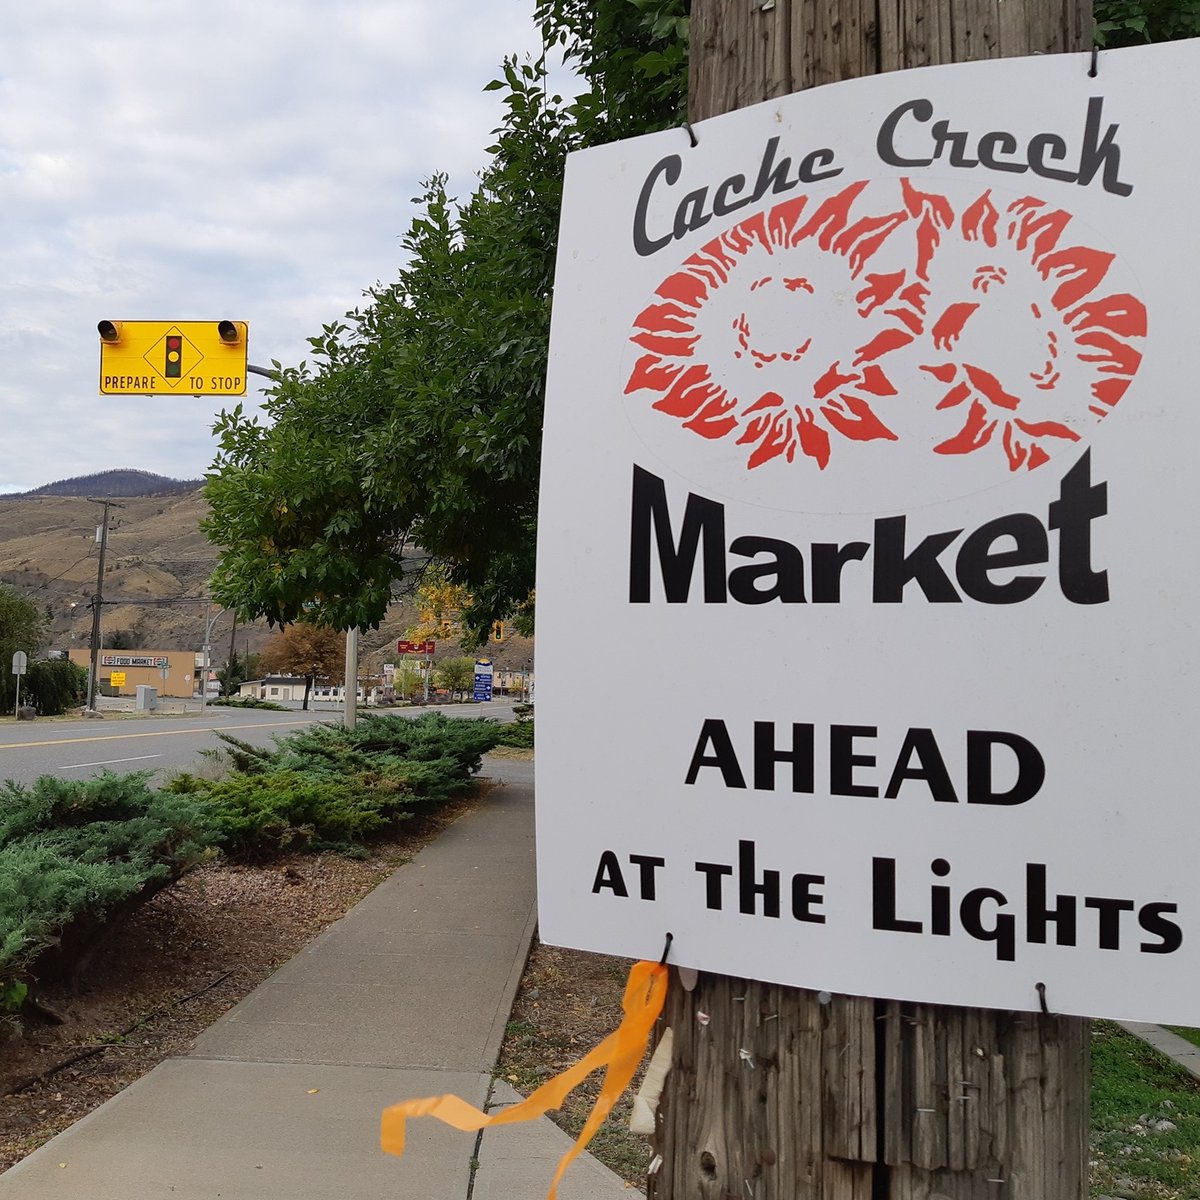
(619, 1054)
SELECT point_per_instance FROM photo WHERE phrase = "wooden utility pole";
(777, 1093)
(97, 604)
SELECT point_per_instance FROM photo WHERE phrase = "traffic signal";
(173, 356)
(497, 631)
(109, 331)
(227, 331)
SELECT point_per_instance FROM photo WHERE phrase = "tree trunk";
(308, 686)
(777, 1093)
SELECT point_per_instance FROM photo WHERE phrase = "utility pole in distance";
(97, 602)
(778, 1093)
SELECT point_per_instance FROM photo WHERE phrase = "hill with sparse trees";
(122, 482)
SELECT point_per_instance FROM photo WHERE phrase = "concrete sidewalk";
(408, 995)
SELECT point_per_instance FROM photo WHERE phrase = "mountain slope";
(121, 482)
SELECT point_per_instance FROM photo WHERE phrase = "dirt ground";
(568, 1002)
(199, 947)
(185, 958)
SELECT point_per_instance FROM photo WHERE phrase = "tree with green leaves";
(409, 680)
(456, 675)
(22, 626)
(53, 685)
(231, 675)
(415, 436)
(122, 639)
(1135, 22)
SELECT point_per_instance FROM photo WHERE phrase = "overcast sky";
(164, 159)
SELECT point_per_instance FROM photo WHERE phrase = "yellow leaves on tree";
(439, 609)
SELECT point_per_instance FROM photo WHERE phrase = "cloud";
(163, 159)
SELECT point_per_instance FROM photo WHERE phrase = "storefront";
(172, 672)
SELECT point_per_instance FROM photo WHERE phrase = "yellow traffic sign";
(194, 358)
(117, 679)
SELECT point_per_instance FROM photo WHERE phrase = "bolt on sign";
(870, 439)
(195, 358)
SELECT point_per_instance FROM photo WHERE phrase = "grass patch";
(1138, 1095)
(1191, 1035)
(569, 1001)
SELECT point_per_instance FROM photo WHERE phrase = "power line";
(57, 577)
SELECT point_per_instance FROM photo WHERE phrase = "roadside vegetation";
(76, 857)
(326, 787)
(1145, 1120)
(247, 702)
(1145, 1109)
(48, 686)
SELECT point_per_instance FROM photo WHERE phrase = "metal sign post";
(19, 664)
(426, 649)
(481, 693)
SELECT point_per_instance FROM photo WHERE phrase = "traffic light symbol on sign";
(173, 354)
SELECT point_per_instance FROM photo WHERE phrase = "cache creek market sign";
(871, 443)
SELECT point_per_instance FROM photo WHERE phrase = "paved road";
(75, 749)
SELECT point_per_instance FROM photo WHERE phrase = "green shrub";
(53, 685)
(326, 786)
(247, 702)
(428, 738)
(519, 735)
(259, 816)
(75, 852)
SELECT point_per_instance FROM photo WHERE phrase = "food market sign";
(871, 440)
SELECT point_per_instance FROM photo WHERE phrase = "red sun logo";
(885, 314)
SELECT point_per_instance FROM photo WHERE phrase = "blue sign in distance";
(483, 682)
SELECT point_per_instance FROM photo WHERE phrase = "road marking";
(107, 762)
(116, 737)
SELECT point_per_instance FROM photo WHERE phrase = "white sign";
(20, 662)
(871, 440)
(134, 660)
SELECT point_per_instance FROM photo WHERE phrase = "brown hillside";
(156, 553)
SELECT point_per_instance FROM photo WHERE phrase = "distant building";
(171, 672)
(274, 687)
